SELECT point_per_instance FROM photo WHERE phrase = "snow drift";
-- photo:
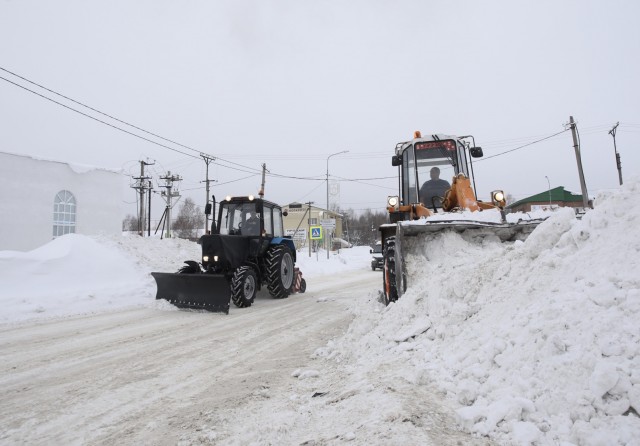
(536, 342)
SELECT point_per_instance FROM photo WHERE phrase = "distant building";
(553, 198)
(44, 199)
(302, 217)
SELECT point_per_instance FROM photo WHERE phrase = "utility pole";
(261, 191)
(612, 132)
(169, 195)
(141, 187)
(207, 160)
(309, 227)
(549, 189)
(576, 146)
(149, 210)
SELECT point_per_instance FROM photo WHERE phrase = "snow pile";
(536, 342)
(76, 274)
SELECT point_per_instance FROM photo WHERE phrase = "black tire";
(303, 286)
(389, 284)
(244, 285)
(373, 266)
(280, 271)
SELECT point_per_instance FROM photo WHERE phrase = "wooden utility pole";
(207, 160)
(612, 132)
(261, 191)
(576, 146)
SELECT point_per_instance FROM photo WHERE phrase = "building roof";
(555, 195)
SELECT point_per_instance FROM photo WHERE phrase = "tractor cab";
(249, 216)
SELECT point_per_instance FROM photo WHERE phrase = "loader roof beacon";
(245, 250)
(425, 164)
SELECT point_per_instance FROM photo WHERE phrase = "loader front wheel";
(243, 286)
(390, 287)
(280, 271)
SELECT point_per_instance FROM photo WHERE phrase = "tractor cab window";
(278, 230)
(239, 218)
(268, 226)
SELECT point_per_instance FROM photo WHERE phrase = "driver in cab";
(434, 189)
(251, 225)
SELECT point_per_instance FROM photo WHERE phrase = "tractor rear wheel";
(280, 272)
(389, 290)
(243, 286)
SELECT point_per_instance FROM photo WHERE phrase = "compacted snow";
(527, 343)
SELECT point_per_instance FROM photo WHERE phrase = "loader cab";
(427, 166)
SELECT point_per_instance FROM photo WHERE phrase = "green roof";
(558, 194)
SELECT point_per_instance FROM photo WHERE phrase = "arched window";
(64, 213)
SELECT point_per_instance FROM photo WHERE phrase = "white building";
(42, 199)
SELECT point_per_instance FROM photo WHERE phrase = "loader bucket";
(209, 292)
(506, 232)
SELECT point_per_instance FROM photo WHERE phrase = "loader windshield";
(427, 171)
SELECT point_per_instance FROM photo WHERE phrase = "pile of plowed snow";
(76, 274)
(536, 342)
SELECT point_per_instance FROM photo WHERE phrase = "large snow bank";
(537, 342)
(77, 274)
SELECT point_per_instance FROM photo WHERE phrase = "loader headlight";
(215, 258)
(393, 201)
(205, 258)
(497, 197)
(251, 197)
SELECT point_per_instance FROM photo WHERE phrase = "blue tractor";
(245, 250)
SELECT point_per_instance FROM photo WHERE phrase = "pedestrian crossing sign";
(316, 232)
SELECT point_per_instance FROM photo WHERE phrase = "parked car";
(376, 261)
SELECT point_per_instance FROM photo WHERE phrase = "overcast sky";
(288, 83)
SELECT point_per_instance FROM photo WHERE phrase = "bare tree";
(130, 223)
(190, 220)
(363, 229)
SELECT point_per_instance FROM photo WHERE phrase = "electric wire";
(96, 119)
(522, 146)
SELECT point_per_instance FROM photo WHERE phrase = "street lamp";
(549, 186)
(612, 132)
(333, 154)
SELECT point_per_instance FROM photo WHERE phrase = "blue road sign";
(316, 232)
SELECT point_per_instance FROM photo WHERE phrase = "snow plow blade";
(209, 292)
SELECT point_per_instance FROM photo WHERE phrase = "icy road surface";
(163, 376)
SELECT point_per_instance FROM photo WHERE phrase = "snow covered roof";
(76, 167)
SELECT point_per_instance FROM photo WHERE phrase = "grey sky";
(290, 82)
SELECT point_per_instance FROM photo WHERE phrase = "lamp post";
(333, 154)
(549, 189)
(612, 132)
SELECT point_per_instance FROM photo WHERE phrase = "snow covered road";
(133, 376)
(164, 376)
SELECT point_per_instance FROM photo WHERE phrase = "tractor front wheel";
(280, 271)
(243, 286)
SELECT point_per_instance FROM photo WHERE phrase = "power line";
(96, 119)
(522, 146)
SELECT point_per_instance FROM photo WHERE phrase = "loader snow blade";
(505, 231)
(209, 292)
